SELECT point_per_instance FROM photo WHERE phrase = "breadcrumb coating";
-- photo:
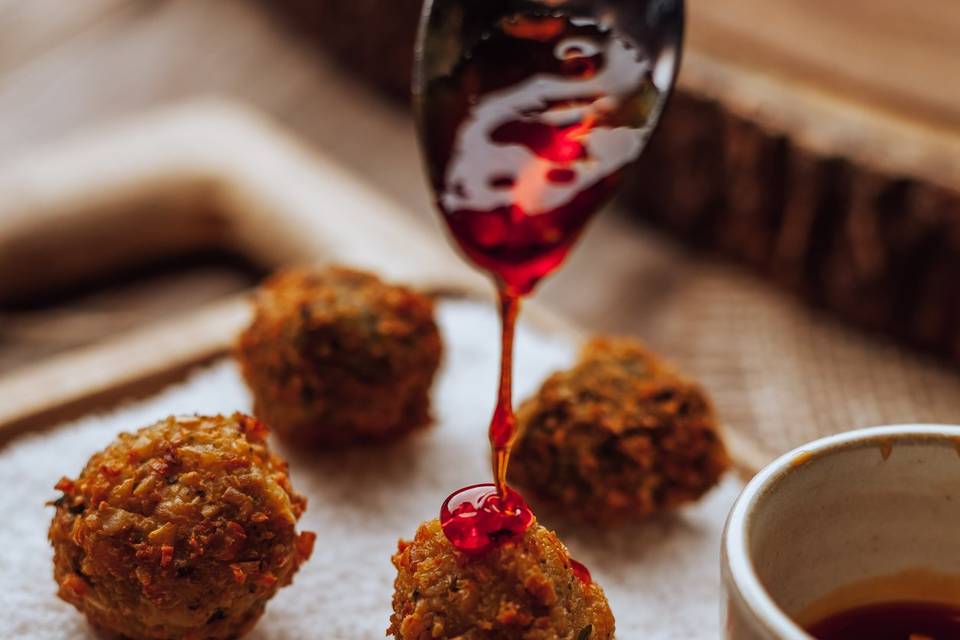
(517, 591)
(183, 529)
(335, 356)
(620, 435)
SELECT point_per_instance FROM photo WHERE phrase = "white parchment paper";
(661, 577)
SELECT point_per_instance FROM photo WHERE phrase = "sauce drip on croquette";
(503, 425)
(480, 517)
(581, 571)
(557, 132)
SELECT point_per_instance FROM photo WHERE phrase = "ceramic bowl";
(858, 518)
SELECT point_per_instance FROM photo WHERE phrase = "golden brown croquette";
(183, 529)
(517, 591)
(335, 356)
(619, 435)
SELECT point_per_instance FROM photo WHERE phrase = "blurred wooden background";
(69, 65)
(66, 66)
(902, 57)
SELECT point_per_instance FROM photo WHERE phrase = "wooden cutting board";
(819, 142)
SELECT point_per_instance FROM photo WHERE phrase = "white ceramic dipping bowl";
(856, 518)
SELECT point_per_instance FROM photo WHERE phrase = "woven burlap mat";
(782, 373)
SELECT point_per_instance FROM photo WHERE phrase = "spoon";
(529, 111)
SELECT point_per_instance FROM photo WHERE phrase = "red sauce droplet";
(577, 65)
(561, 176)
(582, 573)
(557, 144)
(478, 518)
(503, 425)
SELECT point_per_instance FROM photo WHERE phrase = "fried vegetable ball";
(618, 436)
(517, 591)
(184, 529)
(335, 356)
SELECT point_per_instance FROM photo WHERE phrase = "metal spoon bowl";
(452, 30)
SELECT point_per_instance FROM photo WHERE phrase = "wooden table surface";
(66, 66)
